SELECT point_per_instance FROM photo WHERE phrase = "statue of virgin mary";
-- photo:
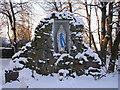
(61, 39)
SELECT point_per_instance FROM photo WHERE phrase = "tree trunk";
(114, 53)
(103, 30)
(108, 34)
(118, 22)
(70, 6)
(13, 27)
(115, 47)
(98, 24)
(9, 33)
(89, 22)
(55, 5)
(109, 25)
(91, 37)
(93, 42)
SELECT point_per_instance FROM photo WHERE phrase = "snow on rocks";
(63, 74)
(67, 63)
(17, 62)
(18, 65)
(45, 61)
(22, 59)
(63, 71)
(74, 48)
(24, 48)
(79, 34)
(61, 57)
(56, 54)
(65, 15)
(75, 20)
(90, 52)
(41, 61)
(81, 55)
(38, 36)
(17, 54)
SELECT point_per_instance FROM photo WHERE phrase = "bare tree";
(88, 9)
(57, 5)
(7, 10)
(12, 11)
(103, 20)
(107, 36)
(98, 21)
(116, 43)
(114, 53)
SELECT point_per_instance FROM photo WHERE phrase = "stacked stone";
(42, 58)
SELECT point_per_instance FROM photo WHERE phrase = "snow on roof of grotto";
(75, 20)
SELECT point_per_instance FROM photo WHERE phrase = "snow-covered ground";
(5, 63)
(25, 79)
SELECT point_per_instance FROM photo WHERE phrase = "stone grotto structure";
(58, 45)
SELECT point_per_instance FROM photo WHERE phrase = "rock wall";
(39, 54)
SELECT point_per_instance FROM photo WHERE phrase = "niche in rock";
(61, 36)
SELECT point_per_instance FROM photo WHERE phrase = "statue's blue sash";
(62, 41)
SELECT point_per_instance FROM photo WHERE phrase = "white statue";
(61, 39)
